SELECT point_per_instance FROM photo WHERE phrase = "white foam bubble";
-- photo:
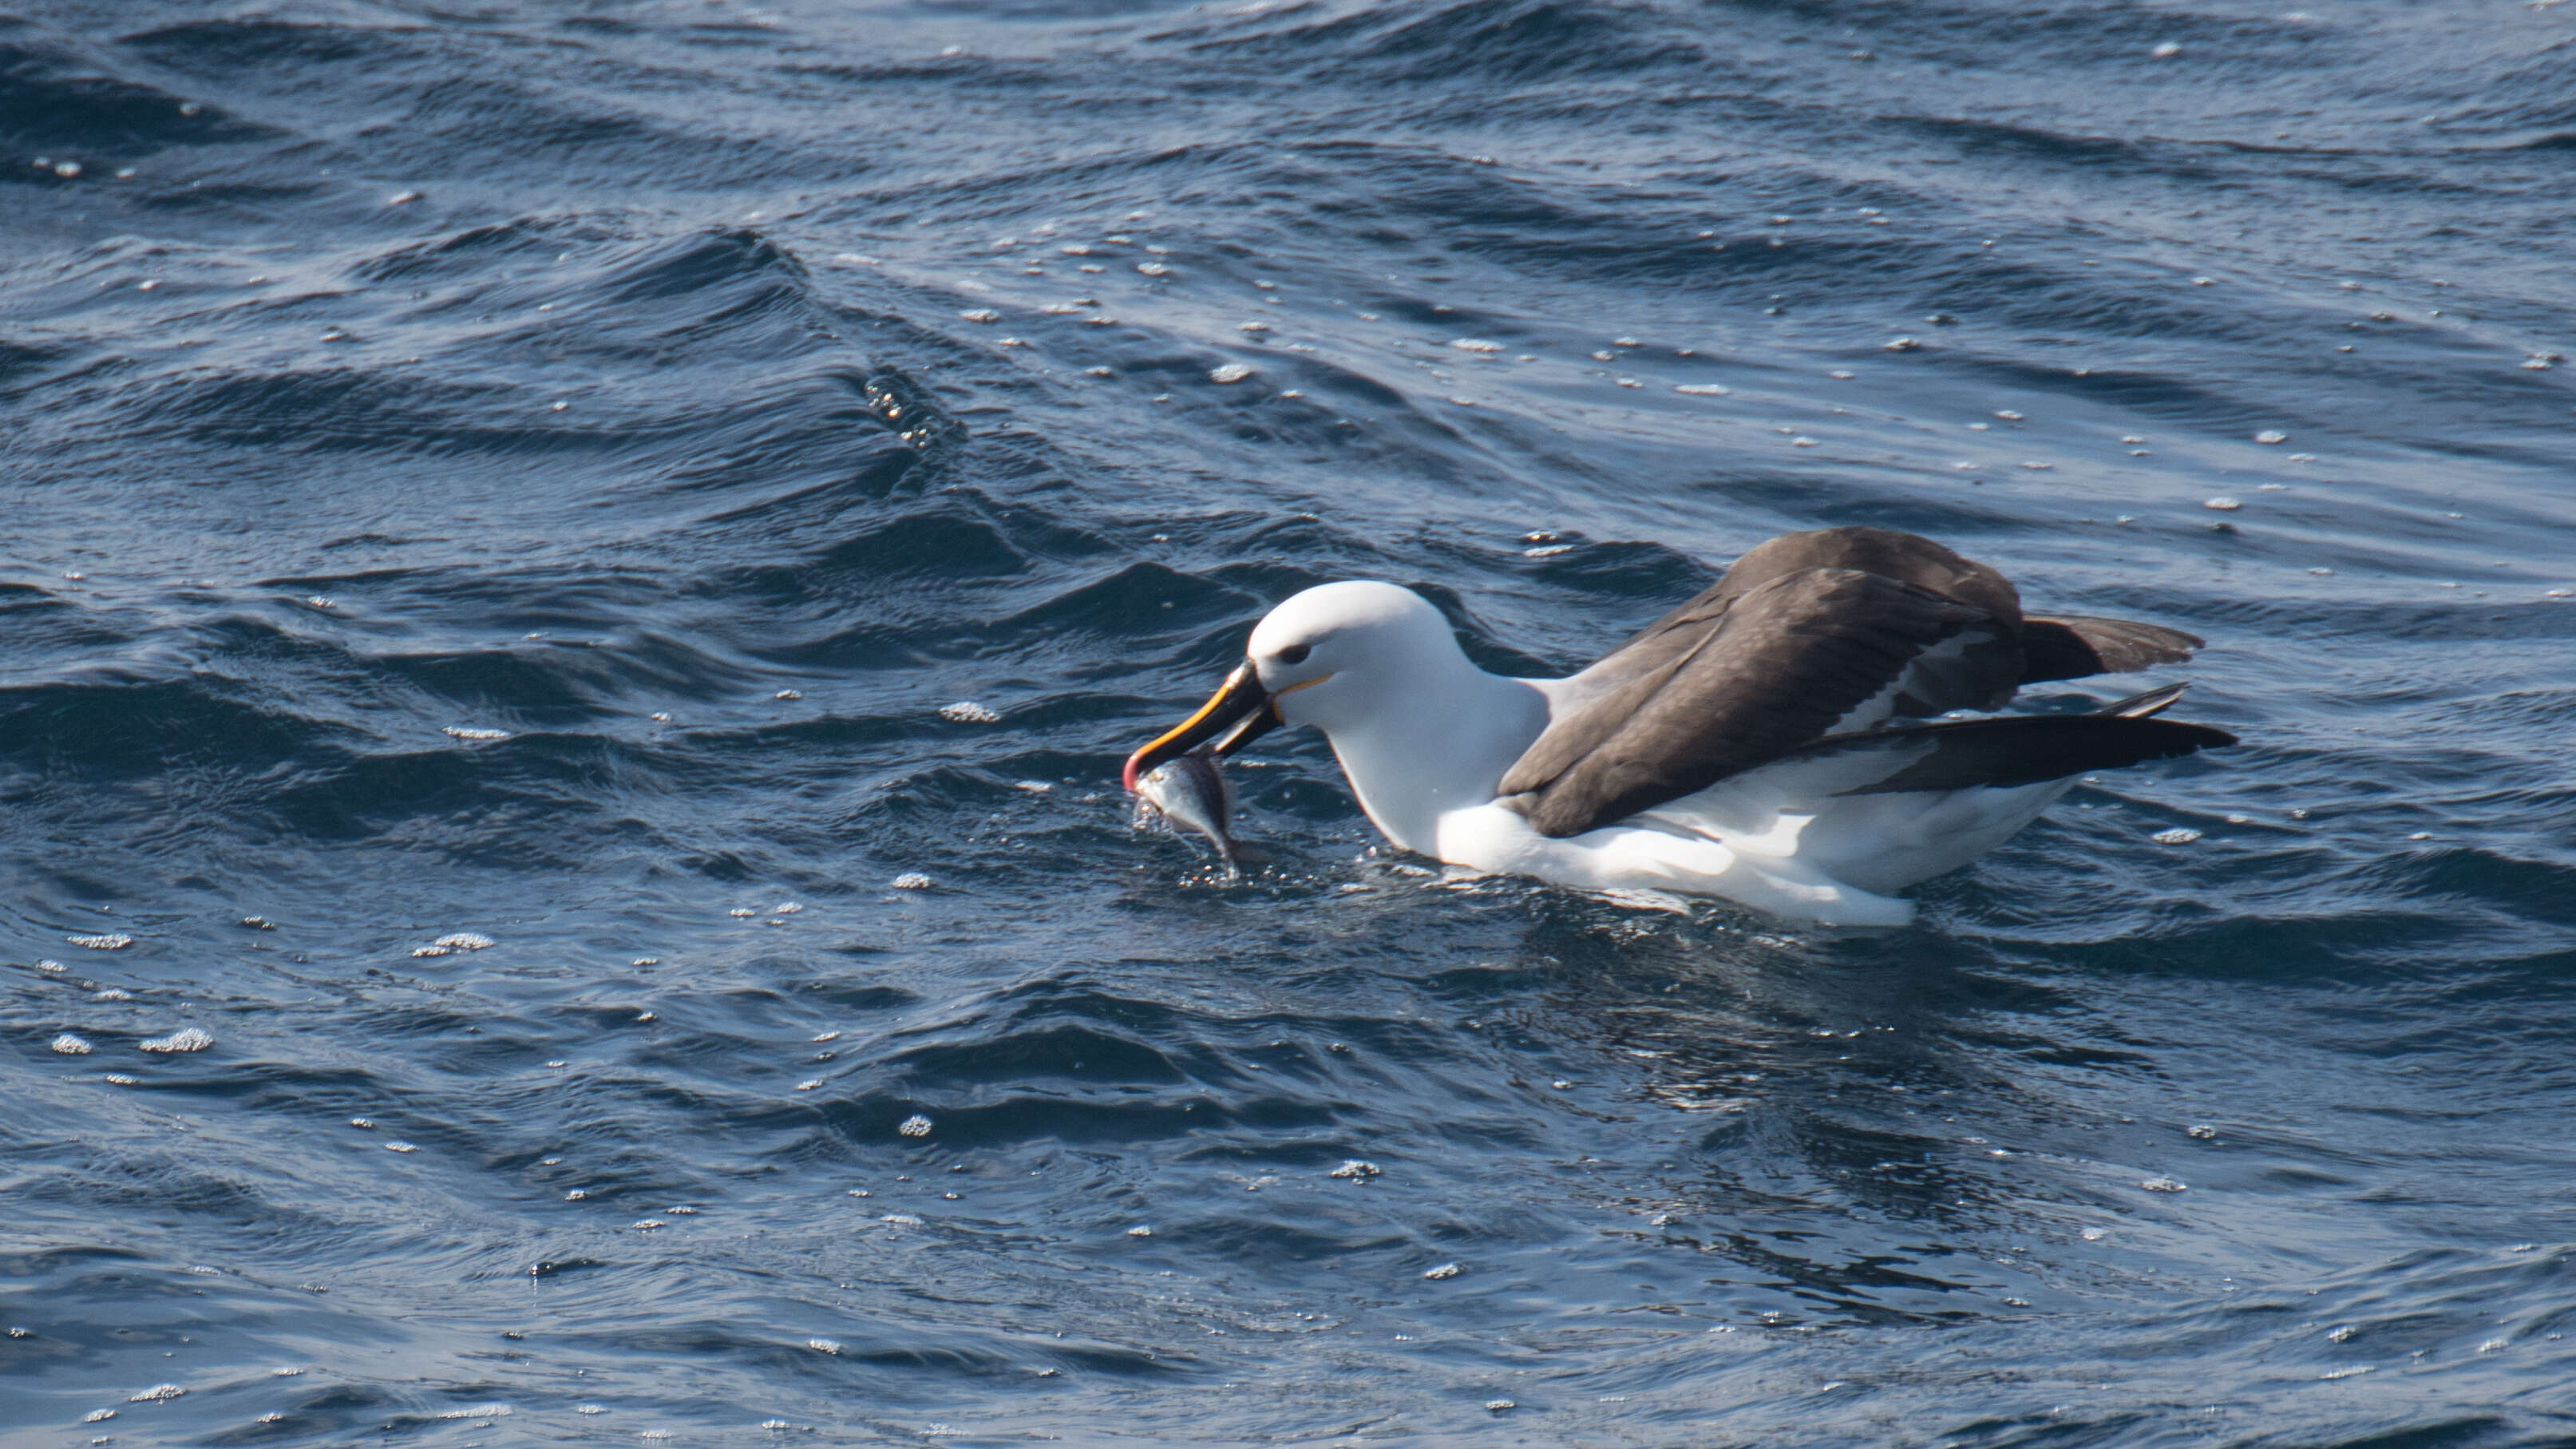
(185, 1039)
(71, 1046)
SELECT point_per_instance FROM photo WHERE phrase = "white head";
(1418, 728)
(1338, 655)
(1330, 654)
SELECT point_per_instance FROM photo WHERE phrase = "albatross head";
(1331, 656)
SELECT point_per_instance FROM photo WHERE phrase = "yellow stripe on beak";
(1240, 696)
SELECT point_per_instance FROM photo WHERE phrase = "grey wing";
(1741, 676)
(2009, 750)
(2070, 646)
(1908, 558)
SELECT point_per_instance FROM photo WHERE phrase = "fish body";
(1191, 793)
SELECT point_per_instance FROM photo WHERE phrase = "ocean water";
(537, 476)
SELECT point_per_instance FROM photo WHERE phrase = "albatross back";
(1808, 635)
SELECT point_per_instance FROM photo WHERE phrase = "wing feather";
(1774, 669)
(2070, 646)
(2010, 750)
(1825, 631)
(1907, 558)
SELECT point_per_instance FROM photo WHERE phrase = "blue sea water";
(536, 472)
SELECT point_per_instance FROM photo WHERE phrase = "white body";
(1425, 737)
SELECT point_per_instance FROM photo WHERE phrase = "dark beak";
(1241, 710)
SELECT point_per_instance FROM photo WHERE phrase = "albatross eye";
(1295, 653)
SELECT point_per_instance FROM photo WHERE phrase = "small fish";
(1191, 793)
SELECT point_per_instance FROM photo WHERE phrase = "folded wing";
(2009, 750)
(1811, 639)
(2070, 646)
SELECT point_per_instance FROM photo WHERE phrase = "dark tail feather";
(2146, 702)
(2070, 646)
(2014, 749)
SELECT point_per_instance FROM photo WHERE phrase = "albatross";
(1782, 740)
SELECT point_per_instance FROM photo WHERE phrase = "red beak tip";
(1128, 777)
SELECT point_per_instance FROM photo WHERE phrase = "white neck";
(1444, 748)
